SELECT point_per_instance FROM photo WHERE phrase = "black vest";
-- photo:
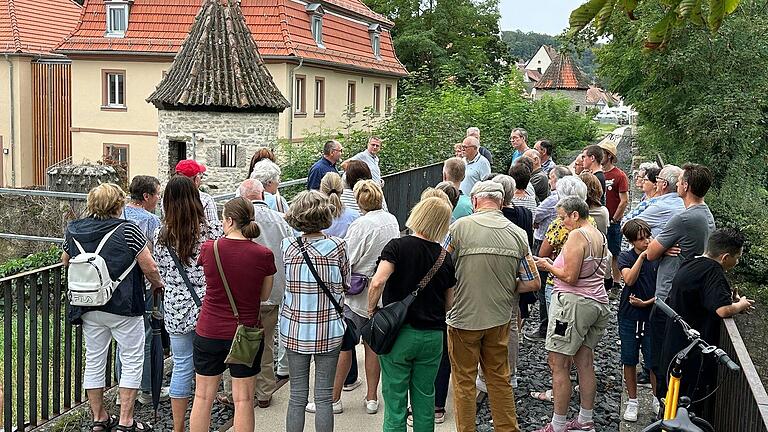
(128, 298)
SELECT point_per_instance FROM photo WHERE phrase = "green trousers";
(411, 367)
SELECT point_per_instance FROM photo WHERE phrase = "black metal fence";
(741, 402)
(42, 351)
(402, 190)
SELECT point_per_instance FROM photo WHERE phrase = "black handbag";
(381, 331)
(351, 337)
(184, 276)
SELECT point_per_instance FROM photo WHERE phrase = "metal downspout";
(13, 121)
(291, 83)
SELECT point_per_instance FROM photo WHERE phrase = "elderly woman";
(365, 238)
(594, 200)
(260, 154)
(650, 193)
(640, 173)
(121, 244)
(331, 185)
(310, 324)
(179, 241)
(238, 276)
(268, 173)
(579, 292)
(411, 367)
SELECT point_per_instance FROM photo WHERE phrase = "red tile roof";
(281, 28)
(563, 74)
(35, 26)
(596, 94)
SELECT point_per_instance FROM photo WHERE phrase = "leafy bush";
(33, 261)
(425, 124)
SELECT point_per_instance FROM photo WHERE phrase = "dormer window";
(117, 18)
(316, 12)
(375, 31)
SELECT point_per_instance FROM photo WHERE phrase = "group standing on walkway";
(258, 294)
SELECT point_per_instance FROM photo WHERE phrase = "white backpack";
(88, 277)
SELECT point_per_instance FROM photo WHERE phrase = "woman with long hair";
(238, 267)
(178, 242)
(343, 216)
(594, 200)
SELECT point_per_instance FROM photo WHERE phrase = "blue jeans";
(634, 335)
(146, 376)
(183, 365)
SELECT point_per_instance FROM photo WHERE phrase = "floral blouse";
(556, 235)
(181, 312)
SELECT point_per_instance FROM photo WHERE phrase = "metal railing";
(741, 402)
(402, 190)
(42, 352)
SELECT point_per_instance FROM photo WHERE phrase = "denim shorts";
(614, 240)
(634, 336)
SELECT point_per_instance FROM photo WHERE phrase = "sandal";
(545, 396)
(138, 426)
(104, 425)
(225, 400)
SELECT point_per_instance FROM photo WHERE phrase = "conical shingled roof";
(563, 74)
(219, 67)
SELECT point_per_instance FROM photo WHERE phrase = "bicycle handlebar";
(719, 354)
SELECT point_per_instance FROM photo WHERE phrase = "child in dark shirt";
(637, 298)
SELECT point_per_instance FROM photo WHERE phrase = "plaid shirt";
(310, 323)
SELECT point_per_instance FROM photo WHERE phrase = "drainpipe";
(13, 121)
(291, 82)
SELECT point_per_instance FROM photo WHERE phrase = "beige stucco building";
(34, 88)
(328, 59)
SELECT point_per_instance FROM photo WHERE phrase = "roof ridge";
(14, 25)
(284, 32)
(76, 26)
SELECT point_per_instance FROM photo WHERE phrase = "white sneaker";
(371, 406)
(338, 408)
(481, 385)
(352, 386)
(656, 407)
(630, 414)
(145, 398)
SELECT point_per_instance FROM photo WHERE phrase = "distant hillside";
(522, 46)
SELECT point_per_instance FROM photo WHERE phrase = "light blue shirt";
(545, 213)
(271, 201)
(476, 169)
(660, 211)
(340, 224)
(372, 161)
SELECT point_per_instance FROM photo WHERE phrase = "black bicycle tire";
(700, 422)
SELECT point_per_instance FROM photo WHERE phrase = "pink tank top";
(591, 281)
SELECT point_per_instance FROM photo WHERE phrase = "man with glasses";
(332, 151)
(371, 158)
(195, 170)
(477, 166)
(667, 202)
(519, 140)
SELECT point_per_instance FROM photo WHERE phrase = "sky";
(540, 16)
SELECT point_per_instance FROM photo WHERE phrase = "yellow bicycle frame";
(670, 402)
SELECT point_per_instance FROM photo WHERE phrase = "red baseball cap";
(189, 167)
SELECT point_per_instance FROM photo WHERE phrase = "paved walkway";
(353, 419)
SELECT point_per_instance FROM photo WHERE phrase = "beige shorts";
(575, 321)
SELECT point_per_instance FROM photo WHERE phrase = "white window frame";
(110, 25)
(117, 103)
(317, 29)
(299, 97)
(375, 32)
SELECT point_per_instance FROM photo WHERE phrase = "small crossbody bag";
(247, 340)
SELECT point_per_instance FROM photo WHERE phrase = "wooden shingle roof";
(563, 74)
(219, 67)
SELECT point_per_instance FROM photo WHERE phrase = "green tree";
(447, 40)
(523, 46)
(704, 99)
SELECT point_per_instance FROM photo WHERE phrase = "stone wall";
(578, 97)
(248, 131)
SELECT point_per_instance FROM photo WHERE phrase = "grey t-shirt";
(690, 231)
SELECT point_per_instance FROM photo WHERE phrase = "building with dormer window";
(330, 59)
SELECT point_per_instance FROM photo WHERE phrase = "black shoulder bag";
(381, 331)
(351, 337)
(183, 273)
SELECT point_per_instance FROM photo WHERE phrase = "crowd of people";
(481, 249)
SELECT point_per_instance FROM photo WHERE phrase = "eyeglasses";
(338, 150)
(514, 137)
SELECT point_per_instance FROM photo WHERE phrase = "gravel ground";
(534, 375)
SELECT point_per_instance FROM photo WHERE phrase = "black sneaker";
(536, 335)
(643, 378)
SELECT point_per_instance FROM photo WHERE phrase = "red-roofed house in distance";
(564, 78)
(327, 57)
(34, 88)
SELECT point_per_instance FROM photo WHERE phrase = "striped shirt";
(209, 207)
(310, 324)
